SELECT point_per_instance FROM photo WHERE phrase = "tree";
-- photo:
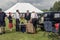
(45, 10)
(56, 6)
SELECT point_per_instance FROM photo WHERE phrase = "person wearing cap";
(34, 18)
(2, 22)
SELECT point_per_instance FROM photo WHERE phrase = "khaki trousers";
(0, 29)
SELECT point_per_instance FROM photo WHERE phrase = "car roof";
(51, 12)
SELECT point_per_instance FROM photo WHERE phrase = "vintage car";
(55, 16)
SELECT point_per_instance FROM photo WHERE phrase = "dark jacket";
(10, 19)
(27, 17)
(2, 17)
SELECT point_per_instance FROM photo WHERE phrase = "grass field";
(22, 36)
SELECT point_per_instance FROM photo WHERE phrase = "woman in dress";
(10, 25)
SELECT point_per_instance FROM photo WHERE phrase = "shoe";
(0, 33)
(4, 32)
(22, 32)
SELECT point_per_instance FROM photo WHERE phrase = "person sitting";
(23, 24)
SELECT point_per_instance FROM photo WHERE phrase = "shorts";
(2, 24)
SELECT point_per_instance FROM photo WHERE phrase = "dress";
(10, 25)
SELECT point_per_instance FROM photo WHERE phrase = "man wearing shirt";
(34, 18)
(27, 15)
(17, 17)
(2, 21)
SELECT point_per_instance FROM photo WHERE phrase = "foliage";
(56, 6)
(45, 10)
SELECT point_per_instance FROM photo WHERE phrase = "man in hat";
(2, 21)
(34, 18)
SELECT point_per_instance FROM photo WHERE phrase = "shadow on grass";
(13, 31)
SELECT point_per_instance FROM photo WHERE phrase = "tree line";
(56, 6)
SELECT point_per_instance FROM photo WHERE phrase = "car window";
(57, 15)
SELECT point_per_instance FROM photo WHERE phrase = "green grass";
(22, 36)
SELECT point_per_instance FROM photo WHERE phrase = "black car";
(54, 17)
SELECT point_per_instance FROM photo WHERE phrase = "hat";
(0, 9)
(33, 11)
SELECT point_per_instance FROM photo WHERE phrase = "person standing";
(34, 18)
(2, 22)
(27, 16)
(17, 17)
(10, 21)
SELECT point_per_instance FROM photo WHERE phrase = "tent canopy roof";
(23, 7)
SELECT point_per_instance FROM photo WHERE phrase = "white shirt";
(34, 15)
(42, 20)
(17, 16)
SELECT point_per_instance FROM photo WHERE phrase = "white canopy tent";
(23, 7)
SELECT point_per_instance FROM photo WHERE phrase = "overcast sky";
(41, 4)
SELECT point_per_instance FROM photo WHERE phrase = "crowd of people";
(22, 23)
